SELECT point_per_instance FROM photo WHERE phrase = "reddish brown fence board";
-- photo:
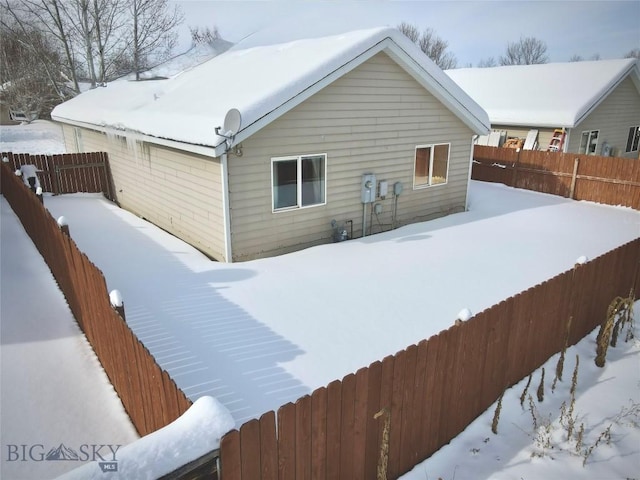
(250, 446)
(360, 423)
(68, 172)
(268, 447)
(150, 397)
(374, 425)
(434, 389)
(609, 180)
(347, 426)
(303, 438)
(319, 433)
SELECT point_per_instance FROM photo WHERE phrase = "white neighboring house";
(595, 103)
(256, 151)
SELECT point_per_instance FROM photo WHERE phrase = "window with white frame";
(589, 142)
(633, 139)
(298, 181)
(431, 165)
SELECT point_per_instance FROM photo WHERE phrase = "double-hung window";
(431, 165)
(589, 142)
(298, 181)
(633, 139)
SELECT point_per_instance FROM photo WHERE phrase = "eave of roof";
(545, 95)
(163, 101)
(440, 86)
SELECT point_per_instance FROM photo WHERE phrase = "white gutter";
(226, 213)
(188, 147)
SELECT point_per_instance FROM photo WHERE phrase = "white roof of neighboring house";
(261, 81)
(546, 95)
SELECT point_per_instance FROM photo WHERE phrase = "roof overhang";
(204, 150)
(632, 71)
(449, 95)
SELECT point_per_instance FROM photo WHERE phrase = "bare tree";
(580, 58)
(22, 17)
(528, 51)
(153, 36)
(431, 44)
(110, 39)
(487, 63)
(25, 80)
(204, 35)
(410, 31)
(82, 23)
(634, 53)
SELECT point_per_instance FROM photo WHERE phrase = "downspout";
(226, 213)
(466, 200)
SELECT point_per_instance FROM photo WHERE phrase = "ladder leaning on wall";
(557, 140)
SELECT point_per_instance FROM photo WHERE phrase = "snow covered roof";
(261, 81)
(197, 54)
(547, 95)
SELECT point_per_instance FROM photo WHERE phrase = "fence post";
(514, 178)
(574, 178)
(64, 226)
(116, 302)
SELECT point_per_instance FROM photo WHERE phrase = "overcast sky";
(475, 30)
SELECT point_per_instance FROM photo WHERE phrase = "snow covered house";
(595, 103)
(257, 151)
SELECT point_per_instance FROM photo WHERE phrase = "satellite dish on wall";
(232, 122)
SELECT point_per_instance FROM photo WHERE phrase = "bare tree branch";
(528, 51)
(431, 44)
(487, 63)
(152, 31)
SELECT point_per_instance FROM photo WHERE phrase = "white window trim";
(637, 129)
(586, 148)
(298, 205)
(415, 158)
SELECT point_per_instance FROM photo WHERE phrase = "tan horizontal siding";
(368, 121)
(178, 191)
(67, 136)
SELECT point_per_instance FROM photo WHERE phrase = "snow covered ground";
(255, 335)
(258, 334)
(39, 137)
(53, 390)
(607, 400)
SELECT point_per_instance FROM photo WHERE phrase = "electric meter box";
(368, 187)
(384, 188)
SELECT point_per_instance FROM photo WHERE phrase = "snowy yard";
(258, 334)
(53, 389)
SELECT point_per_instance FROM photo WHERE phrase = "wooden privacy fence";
(150, 397)
(68, 172)
(609, 180)
(407, 406)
